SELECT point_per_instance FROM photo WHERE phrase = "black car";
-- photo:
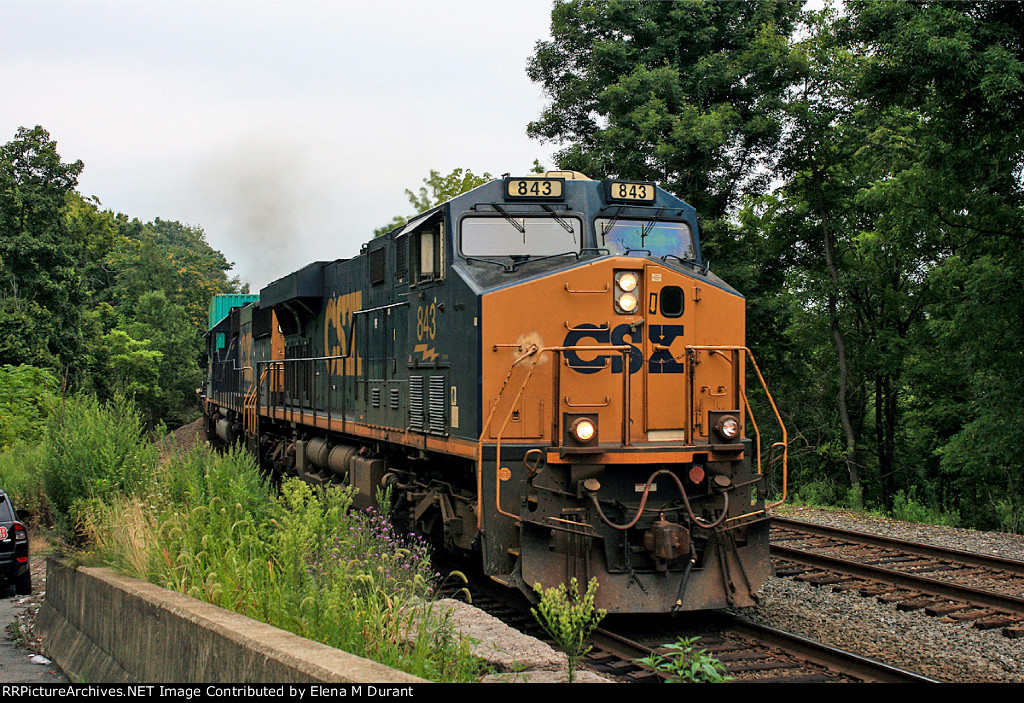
(13, 548)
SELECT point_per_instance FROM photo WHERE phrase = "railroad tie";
(996, 621)
(899, 596)
(970, 614)
(943, 609)
(916, 603)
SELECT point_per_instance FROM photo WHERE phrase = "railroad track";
(985, 591)
(750, 653)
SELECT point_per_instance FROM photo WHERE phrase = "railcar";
(542, 372)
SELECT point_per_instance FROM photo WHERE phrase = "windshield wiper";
(565, 225)
(607, 227)
(529, 260)
(511, 220)
(505, 267)
(646, 228)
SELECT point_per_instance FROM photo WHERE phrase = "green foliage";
(440, 188)
(209, 526)
(112, 305)
(21, 476)
(906, 506)
(41, 284)
(569, 617)
(133, 367)
(1009, 513)
(815, 493)
(95, 454)
(682, 662)
(687, 94)
(27, 395)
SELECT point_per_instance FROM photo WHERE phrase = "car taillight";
(20, 534)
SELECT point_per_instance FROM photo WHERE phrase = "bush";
(21, 476)
(907, 507)
(1009, 513)
(27, 394)
(817, 493)
(212, 528)
(95, 453)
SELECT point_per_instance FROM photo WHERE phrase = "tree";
(441, 188)
(687, 94)
(26, 396)
(960, 66)
(880, 264)
(112, 304)
(41, 288)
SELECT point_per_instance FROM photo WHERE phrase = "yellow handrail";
(778, 417)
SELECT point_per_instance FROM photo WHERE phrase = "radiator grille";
(417, 419)
(437, 401)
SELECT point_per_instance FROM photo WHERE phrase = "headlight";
(628, 281)
(628, 302)
(728, 427)
(627, 292)
(583, 430)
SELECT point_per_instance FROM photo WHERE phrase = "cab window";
(426, 248)
(520, 236)
(627, 236)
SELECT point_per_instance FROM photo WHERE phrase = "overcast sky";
(288, 131)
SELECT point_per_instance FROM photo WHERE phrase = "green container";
(221, 305)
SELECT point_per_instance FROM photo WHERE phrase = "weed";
(302, 560)
(684, 663)
(907, 507)
(568, 617)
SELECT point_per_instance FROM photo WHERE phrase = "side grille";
(417, 415)
(437, 397)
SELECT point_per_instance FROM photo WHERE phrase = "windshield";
(658, 238)
(519, 236)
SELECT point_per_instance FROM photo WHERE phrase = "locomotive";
(541, 372)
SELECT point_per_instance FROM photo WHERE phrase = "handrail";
(250, 405)
(746, 405)
(534, 351)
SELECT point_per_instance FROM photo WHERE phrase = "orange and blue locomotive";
(541, 371)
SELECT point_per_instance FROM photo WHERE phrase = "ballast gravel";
(949, 652)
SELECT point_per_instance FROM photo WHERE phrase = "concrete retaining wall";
(100, 627)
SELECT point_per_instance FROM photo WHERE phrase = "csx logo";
(661, 361)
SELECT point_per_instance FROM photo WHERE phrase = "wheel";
(23, 585)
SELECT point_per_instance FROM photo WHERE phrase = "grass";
(303, 561)
(907, 506)
(208, 525)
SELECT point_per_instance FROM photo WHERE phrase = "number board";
(534, 188)
(631, 192)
